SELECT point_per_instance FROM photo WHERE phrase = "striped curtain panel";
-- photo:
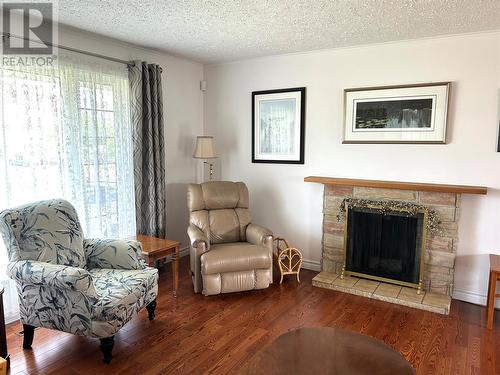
(149, 148)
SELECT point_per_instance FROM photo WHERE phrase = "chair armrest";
(196, 236)
(114, 254)
(199, 245)
(52, 275)
(258, 235)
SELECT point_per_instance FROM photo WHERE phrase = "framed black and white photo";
(278, 126)
(396, 114)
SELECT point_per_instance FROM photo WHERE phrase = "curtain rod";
(128, 63)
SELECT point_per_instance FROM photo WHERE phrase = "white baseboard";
(184, 251)
(472, 297)
(11, 318)
(312, 265)
(468, 296)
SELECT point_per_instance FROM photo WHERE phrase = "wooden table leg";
(175, 269)
(491, 300)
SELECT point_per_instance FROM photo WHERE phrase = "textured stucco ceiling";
(223, 30)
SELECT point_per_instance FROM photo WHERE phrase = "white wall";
(293, 209)
(183, 115)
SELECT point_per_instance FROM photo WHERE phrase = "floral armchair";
(86, 287)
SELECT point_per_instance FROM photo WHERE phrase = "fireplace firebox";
(385, 245)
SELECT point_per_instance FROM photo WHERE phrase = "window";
(99, 156)
(65, 132)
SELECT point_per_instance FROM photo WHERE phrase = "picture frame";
(414, 113)
(278, 126)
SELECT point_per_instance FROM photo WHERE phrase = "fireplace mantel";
(415, 186)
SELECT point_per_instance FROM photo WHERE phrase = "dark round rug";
(327, 350)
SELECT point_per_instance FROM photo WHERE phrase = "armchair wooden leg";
(151, 309)
(28, 333)
(107, 348)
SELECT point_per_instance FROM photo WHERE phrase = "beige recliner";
(228, 252)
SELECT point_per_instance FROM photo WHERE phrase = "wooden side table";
(492, 294)
(154, 249)
(3, 336)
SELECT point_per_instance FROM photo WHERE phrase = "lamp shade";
(205, 148)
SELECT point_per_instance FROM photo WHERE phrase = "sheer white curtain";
(66, 132)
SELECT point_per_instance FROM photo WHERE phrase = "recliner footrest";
(230, 282)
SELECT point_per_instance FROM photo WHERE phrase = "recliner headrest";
(217, 195)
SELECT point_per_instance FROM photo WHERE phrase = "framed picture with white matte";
(278, 126)
(396, 114)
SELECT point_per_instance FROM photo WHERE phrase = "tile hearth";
(434, 302)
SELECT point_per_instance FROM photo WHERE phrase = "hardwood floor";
(196, 334)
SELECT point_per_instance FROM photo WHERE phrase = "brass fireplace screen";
(385, 245)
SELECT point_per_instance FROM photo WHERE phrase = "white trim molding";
(184, 251)
(472, 297)
(313, 265)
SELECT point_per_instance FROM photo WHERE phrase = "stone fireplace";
(438, 248)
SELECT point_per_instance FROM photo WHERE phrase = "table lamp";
(205, 149)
